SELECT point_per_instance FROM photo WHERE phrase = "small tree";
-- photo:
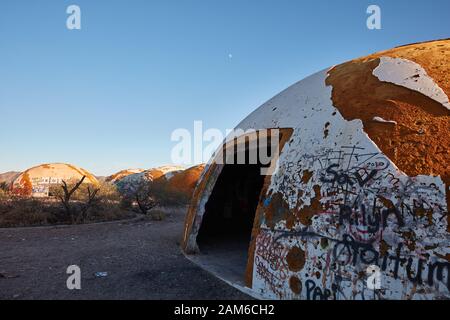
(4, 186)
(77, 213)
(65, 198)
(90, 201)
(143, 194)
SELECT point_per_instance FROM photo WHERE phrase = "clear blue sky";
(108, 96)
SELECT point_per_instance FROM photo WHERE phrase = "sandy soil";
(142, 259)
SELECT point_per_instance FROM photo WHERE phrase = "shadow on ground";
(142, 259)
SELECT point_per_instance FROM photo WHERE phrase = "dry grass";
(24, 212)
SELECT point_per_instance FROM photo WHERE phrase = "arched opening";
(225, 232)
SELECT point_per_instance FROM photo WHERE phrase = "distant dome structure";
(174, 180)
(36, 181)
(185, 181)
(122, 174)
(357, 207)
(129, 183)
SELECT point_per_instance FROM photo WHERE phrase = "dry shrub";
(108, 192)
(21, 212)
(107, 211)
(157, 214)
(4, 187)
(167, 196)
(3, 195)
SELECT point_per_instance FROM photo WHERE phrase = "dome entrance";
(225, 233)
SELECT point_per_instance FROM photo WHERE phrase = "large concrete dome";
(358, 208)
(37, 180)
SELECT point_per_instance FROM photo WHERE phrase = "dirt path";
(142, 259)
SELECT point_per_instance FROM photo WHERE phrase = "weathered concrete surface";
(143, 261)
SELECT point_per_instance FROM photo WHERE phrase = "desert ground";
(141, 257)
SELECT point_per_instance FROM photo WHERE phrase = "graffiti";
(269, 276)
(273, 253)
(342, 178)
(313, 292)
(365, 223)
(359, 201)
(349, 252)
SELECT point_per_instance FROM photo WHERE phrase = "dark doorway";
(226, 228)
(230, 210)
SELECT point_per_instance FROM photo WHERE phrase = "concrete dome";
(36, 181)
(362, 187)
(122, 174)
(129, 183)
(185, 181)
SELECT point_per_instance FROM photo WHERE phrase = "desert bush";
(19, 212)
(107, 211)
(4, 186)
(85, 204)
(126, 203)
(108, 192)
(166, 196)
(85, 197)
(3, 195)
(144, 196)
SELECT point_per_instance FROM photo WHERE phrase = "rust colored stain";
(384, 248)
(26, 187)
(410, 241)
(422, 212)
(419, 143)
(277, 210)
(307, 212)
(184, 182)
(192, 210)
(295, 284)
(119, 175)
(295, 259)
(306, 176)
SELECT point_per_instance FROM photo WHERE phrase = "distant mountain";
(9, 177)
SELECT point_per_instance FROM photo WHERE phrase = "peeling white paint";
(381, 120)
(410, 75)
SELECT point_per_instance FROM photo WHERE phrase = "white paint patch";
(410, 75)
(379, 119)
